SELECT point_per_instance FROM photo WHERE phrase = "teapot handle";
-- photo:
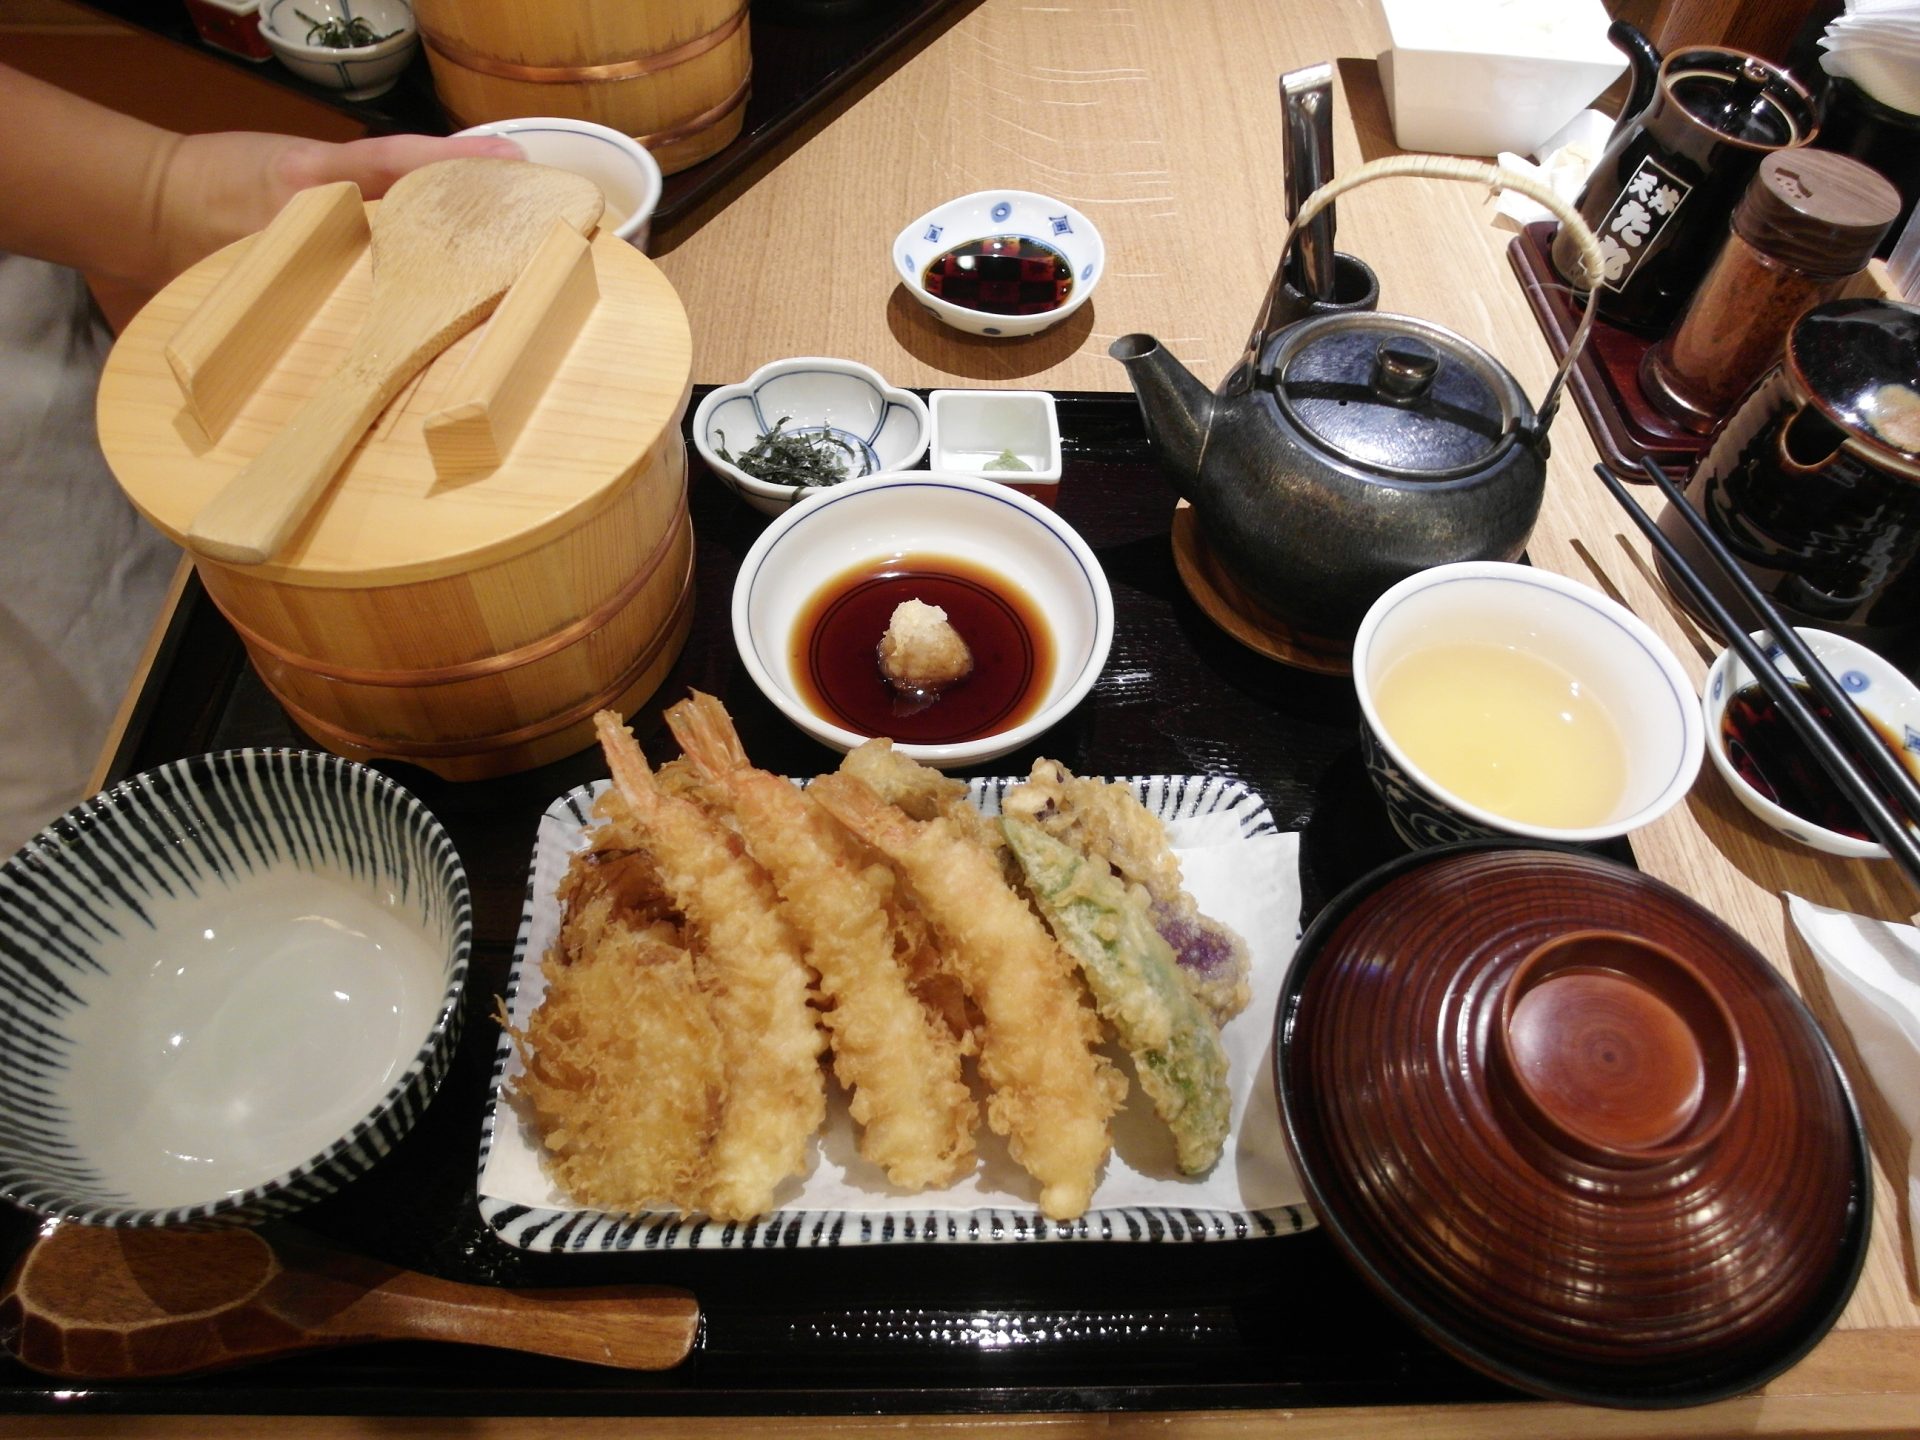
(1449, 167)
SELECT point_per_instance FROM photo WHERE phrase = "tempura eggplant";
(1136, 986)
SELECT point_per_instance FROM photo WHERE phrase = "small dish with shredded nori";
(796, 427)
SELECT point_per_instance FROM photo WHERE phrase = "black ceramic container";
(1814, 481)
(1692, 133)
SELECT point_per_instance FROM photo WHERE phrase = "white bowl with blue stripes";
(228, 986)
(875, 426)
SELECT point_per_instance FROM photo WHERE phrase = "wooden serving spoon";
(88, 1303)
(448, 240)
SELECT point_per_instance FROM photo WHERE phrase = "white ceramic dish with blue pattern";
(958, 517)
(231, 984)
(1607, 649)
(1240, 867)
(986, 214)
(1889, 699)
(358, 72)
(877, 426)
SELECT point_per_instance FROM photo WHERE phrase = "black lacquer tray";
(1179, 1324)
(805, 54)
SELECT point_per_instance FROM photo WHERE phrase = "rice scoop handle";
(448, 241)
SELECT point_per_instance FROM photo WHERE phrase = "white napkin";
(1566, 159)
(1873, 970)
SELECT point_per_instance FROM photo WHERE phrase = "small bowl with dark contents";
(1000, 262)
(1771, 769)
(795, 427)
(951, 614)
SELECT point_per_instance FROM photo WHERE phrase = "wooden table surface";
(1160, 119)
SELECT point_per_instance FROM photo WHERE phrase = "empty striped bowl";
(227, 987)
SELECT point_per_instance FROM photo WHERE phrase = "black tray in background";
(956, 1328)
(805, 54)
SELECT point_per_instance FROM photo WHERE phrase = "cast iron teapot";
(1350, 448)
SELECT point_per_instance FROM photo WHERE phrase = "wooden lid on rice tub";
(610, 413)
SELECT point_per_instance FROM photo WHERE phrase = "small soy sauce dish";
(1001, 263)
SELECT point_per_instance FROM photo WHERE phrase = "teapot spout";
(1644, 61)
(1177, 408)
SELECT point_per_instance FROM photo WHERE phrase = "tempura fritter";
(622, 1057)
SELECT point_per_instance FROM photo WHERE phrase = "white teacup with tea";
(1501, 699)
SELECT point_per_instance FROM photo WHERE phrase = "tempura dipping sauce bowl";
(1502, 699)
(813, 595)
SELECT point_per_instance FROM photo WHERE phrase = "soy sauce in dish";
(836, 664)
(1769, 755)
(1001, 275)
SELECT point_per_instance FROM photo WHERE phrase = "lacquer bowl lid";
(1572, 1125)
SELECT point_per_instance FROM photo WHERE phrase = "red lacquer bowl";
(1572, 1125)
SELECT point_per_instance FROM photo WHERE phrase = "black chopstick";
(1888, 827)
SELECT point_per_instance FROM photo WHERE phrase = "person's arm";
(132, 205)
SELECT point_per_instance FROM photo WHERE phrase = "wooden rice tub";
(469, 624)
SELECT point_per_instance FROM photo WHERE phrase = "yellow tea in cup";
(1507, 731)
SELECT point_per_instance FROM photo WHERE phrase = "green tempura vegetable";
(1136, 987)
(799, 459)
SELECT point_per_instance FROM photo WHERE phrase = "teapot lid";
(1859, 363)
(1396, 396)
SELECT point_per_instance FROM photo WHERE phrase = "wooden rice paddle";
(448, 241)
(87, 1303)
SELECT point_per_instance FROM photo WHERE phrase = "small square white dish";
(1242, 870)
(972, 429)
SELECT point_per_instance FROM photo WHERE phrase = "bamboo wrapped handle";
(1496, 178)
(87, 1303)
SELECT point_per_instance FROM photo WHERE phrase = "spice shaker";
(1807, 223)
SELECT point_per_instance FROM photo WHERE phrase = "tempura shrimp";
(1052, 1093)
(900, 1063)
(759, 985)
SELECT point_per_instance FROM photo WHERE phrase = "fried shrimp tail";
(752, 970)
(899, 1062)
(1052, 1094)
(1137, 987)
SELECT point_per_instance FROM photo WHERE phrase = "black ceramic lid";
(1859, 363)
(1397, 396)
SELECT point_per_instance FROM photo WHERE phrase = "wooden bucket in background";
(673, 74)
(471, 624)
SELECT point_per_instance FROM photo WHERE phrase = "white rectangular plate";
(1243, 872)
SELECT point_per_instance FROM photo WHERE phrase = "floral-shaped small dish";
(1043, 260)
(843, 412)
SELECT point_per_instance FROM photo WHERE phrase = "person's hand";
(219, 187)
(130, 205)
